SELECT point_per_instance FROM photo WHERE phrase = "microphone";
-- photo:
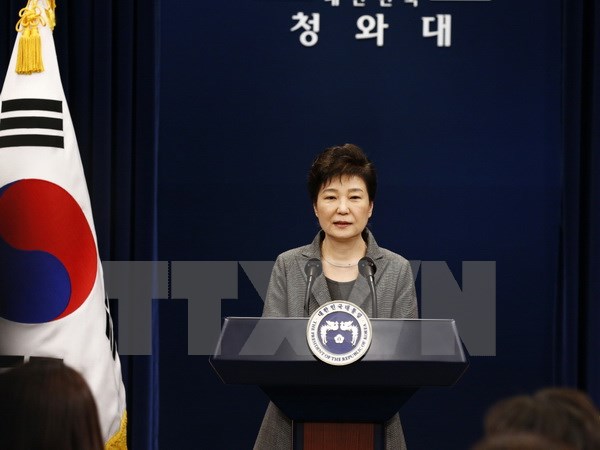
(313, 269)
(367, 268)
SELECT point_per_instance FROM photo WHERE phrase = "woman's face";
(343, 207)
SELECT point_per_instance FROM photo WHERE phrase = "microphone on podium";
(367, 268)
(313, 269)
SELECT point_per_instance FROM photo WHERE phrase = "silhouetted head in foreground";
(46, 404)
(562, 415)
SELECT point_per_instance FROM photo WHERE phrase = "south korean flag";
(52, 299)
(31, 122)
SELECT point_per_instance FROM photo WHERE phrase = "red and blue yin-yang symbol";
(48, 256)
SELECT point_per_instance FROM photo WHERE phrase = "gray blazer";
(396, 298)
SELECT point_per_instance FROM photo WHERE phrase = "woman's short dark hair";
(339, 161)
(46, 404)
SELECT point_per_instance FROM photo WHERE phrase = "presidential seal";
(339, 333)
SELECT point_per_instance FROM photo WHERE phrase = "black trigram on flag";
(31, 122)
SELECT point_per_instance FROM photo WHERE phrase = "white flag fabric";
(52, 300)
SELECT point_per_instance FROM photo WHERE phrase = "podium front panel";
(403, 353)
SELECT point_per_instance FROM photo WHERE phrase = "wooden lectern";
(339, 406)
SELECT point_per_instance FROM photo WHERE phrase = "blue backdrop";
(467, 140)
(197, 122)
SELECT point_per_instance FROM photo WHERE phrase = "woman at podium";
(342, 184)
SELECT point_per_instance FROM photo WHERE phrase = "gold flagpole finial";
(29, 55)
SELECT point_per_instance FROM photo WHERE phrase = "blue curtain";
(577, 343)
(108, 54)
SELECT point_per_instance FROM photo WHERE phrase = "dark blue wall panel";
(466, 140)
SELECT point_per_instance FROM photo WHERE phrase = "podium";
(327, 403)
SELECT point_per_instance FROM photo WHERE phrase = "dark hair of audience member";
(519, 441)
(560, 414)
(575, 402)
(47, 405)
